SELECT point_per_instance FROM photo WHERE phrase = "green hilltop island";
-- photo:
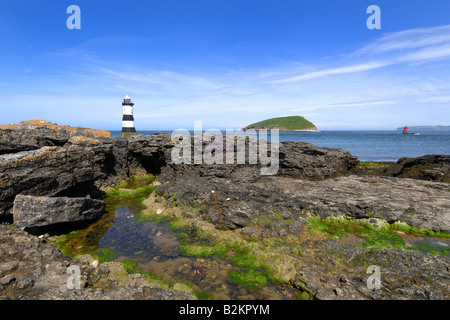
(285, 124)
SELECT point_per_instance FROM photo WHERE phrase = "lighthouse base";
(125, 135)
(127, 132)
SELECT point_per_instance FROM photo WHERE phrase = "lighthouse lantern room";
(128, 129)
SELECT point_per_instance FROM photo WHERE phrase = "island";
(286, 124)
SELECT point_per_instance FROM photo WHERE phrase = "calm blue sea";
(369, 145)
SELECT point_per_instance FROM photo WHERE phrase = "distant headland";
(426, 128)
(292, 123)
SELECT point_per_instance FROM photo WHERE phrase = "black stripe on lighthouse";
(125, 129)
(127, 117)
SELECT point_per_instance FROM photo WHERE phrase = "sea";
(377, 145)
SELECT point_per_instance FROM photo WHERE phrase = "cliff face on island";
(42, 159)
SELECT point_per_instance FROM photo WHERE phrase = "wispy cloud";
(427, 54)
(415, 45)
(436, 99)
(359, 104)
(334, 71)
(407, 40)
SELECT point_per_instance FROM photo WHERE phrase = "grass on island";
(291, 123)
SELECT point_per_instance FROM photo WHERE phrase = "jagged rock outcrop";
(307, 161)
(148, 153)
(295, 159)
(232, 205)
(33, 212)
(35, 134)
(41, 158)
(44, 159)
(48, 171)
(429, 167)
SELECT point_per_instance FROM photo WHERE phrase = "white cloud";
(407, 40)
(414, 45)
(427, 54)
(346, 105)
(436, 99)
(334, 71)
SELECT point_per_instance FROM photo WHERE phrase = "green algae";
(104, 255)
(140, 194)
(384, 236)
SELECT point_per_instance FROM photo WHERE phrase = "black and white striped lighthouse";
(128, 129)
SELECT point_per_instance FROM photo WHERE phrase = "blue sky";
(227, 63)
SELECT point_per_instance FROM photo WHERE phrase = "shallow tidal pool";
(153, 247)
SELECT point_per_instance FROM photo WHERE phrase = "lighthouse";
(128, 129)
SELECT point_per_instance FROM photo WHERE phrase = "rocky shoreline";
(44, 160)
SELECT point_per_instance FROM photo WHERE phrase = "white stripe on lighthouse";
(128, 124)
(127, 110)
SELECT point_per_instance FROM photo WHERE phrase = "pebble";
(338, 291)
(159, 211)
(189, 215)
(7, 279)
(443, 244)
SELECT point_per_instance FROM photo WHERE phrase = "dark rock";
(35, 134)
(31, 211)
(296, 159)
(49, 171)
(404, 275)
(57, 161)
(307, 161)
(283, 201)
(429, 167)
(148, 152)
